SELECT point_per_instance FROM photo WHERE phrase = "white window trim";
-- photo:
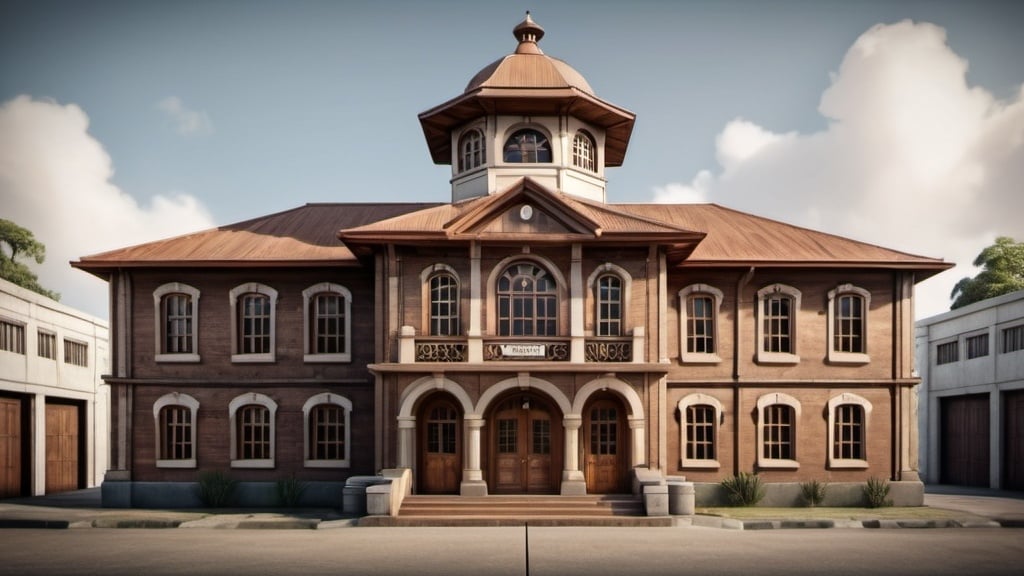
(307, 408)
(692, 400)
(555, 146)
(764, 356)
(836, 402)
(307, 300)
(425, 276)
(233, 300)
(836, 356)
(175, 399)
(627, 286)
(244, 400)
(159, 327)
(462, 136)
(770, 400)
(698, 357)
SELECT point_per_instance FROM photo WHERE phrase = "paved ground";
(83, 509)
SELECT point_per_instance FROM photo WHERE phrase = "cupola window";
(471, 150)
(527, 146)
(584, 152)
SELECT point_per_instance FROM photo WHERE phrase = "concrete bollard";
(656, 500)
(681, 498)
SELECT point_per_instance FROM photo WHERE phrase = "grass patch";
(825, 513)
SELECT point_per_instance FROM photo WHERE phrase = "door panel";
(62, 448)
(605, 447)
(10, 447)
(965, 440)
(524, 442)
(1013, 440)
(440, 448)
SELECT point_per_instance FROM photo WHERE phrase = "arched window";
(847, 431)
(776, 329)
(176, 311)
(471, 150)
(527, 301)
(252, 431)
(584, 152)
(698, 323)
(526, 146)
(444, 305)
(777, 416)
(700, 416)
(848, 323)
(328, 323)
(174, 417)
(328, 434)
(253, 313)
(609, 305)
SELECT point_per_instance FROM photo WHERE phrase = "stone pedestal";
(656, 500)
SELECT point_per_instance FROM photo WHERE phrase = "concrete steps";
(519, 510)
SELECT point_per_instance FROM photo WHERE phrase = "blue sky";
(123, 122)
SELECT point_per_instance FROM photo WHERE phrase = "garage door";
(62, 448)
(1013, 459)
(10, 447)
(965, 440)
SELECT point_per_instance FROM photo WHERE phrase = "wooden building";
(526, 337)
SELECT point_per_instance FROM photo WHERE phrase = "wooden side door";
(605, 444)
(965, 440)
(62, 447)
(10, 448)
(440, 470)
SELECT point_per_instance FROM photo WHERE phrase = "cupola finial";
(528, 33)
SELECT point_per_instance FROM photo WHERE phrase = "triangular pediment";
(525, 210)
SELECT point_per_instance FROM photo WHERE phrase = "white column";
(576, 296)
(406, 441)
(472, 477)
(573, 481)
(639, 447)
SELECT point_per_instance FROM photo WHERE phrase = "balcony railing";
(436, 349)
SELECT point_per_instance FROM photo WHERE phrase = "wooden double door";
(11, 455)
(965, 440)
(526, 446)
(605, 441)
(440, 447)
(64, 447)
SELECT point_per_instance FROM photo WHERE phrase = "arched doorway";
(525, 440)
(440, 446)
(605, 445)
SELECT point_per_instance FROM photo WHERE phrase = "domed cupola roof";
(527, 83)
(528, 66)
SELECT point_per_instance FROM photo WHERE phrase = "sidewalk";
(83, 509)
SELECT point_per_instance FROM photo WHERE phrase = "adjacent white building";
(972, 394)
(54, 405)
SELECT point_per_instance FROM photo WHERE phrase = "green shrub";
(289, 490)
(876, 491)
(744, 489)
(216, 489)
(813, 492)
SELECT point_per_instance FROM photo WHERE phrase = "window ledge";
(326, 464)
(189, 463)
(699, 358)
(312, 358)
(694, 463)
(252, 463)
(848, 464)
(778, 464)
(848, 358)
(777, 358)
(181, 358)
(252, 358)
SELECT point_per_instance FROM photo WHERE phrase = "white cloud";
(913, 158)
(55, 181)
(186, 121)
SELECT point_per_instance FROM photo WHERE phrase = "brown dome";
(528, 67)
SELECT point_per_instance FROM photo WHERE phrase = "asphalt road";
(501, 551)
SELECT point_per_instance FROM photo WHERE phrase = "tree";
(19, 241)
(1003, 272)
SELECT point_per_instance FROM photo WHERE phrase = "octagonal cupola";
(528, 114)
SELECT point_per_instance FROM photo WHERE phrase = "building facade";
(525, 337)
(54, 405)
(972, 394)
